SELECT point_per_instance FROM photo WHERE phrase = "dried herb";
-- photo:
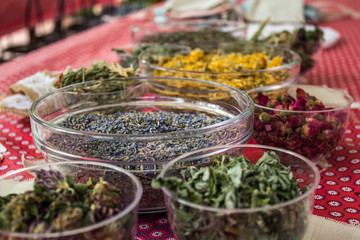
(233, 183)
(59, 203)
(227, 67)
(305, 42)
(190, 37)
(97, 71)
(131, 59)
(312, 134)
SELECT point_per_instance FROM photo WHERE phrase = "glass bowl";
(287, 220)
(192, 32)
(121, 225)
(313, 134)
(142, 154)
(190, 63)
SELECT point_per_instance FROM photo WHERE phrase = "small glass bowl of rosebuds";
(309, 120)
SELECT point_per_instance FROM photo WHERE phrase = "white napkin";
(331, 36)
(191, 5)
(278, 11)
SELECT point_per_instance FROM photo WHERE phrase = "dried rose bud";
(311, 128)
(264, 117)
(312, 133)
(263, 100)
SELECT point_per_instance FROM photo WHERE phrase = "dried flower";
(312, 134)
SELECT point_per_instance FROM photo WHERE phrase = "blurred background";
(27, 25)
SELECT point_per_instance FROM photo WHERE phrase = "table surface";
(338, 194)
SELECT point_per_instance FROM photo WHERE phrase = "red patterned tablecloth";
(338, 194)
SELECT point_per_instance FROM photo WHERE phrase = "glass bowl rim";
(296, 62)
(137, 27)
(85, 229)
(310, 191)
(104, 136)
(276, 87)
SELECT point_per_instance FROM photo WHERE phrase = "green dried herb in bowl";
(74, 200)
(239, 192)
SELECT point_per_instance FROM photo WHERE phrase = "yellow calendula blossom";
(233, 69)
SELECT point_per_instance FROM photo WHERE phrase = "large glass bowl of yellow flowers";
(241, 65)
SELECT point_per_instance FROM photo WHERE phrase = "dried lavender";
(59, 203)
(135, 122)
(144, 157)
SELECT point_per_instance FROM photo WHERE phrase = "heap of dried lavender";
(57, 203)
(288, 125)
(135, 122)
(152, 152)
(234, 183)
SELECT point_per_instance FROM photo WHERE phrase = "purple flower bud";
(294, 121)
(298, 105)
(294, 143)
(263, 100)
(268, 127)
(311, 129)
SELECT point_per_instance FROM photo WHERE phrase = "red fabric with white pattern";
(338, 195)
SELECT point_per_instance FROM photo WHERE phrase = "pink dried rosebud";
(258, 125)
(300, 93)
(326, 125)
(311, 129)
(328, 135)
(262, 99)
(284, 130)
(273, 103)
(298, 105)
(294, 143)
(341, 117)
(294, 121)
(268, 127)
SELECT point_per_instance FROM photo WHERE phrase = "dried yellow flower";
(233, 69)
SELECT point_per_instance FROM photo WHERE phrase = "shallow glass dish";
(154, 62)
(287, 220)
(142, 154)
(313, 134)
(120, 226)
(193, 32)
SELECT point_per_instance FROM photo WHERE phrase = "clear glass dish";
(153, 59)
(120, 226)
(192, 32)
(287, 220)
(313, 134)
(142, 154)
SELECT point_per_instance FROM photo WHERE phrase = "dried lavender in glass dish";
(226, 112)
